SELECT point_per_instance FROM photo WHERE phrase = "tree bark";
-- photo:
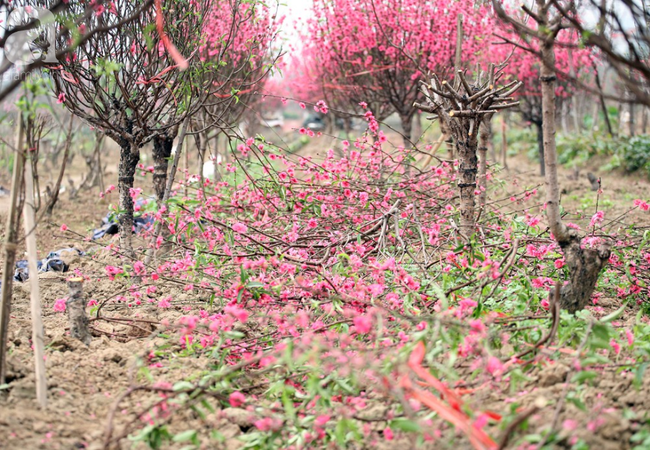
(466, 151)
(129, 158)
(417, 127)
(407, 127)
(76, 307)
(540, 148)
(603, 106)
(584, 265)
(11, 237)
(162, 151)
(57, 186)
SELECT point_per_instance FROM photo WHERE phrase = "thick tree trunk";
(584, 264)
(466, 151)
(540, 148)
(162, 151)
(129, 157)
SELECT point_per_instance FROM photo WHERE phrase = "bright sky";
(295, 10)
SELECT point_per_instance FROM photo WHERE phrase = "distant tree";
(129, 81)
(375, 51)
(584, 262)
(524, 64)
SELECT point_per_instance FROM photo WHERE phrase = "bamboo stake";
(35, 294)
(10, 248)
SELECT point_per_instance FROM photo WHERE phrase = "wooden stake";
(10, 248)
(37, 321)
(459, 48)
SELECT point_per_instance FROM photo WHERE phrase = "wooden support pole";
(459, 48)
(35, 294)
(10, 247)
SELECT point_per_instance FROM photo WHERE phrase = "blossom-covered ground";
(329, 302)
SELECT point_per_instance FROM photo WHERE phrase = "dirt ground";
(84, 382)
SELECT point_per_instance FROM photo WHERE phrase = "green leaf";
(403, 424)
(615, 315)
(189, 435)
(583, 376)
(577, 402)
(183, 386)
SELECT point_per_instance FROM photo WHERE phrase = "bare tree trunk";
(594, 116)
(540, 148)
(57, 185)
(466, 151)
(603, 106)
(129, 157)
(644, 120)
(13, 222)
(407, 127)
(563, 118)
(584, 265)
(167, 192)
(417, 127)
(162, 151)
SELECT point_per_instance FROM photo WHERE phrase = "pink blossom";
(362, 324)
(64, 227)
(322, 420)
(597, 219)
(237, 313)
(61, 98)
(139, 268)
(240, 227)
(494, 366)
(570, 424)
(533, 221)
(59, 305)
(630, 337)
(165, 303)
(615, 346)
(236, 399)
(388, 434)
